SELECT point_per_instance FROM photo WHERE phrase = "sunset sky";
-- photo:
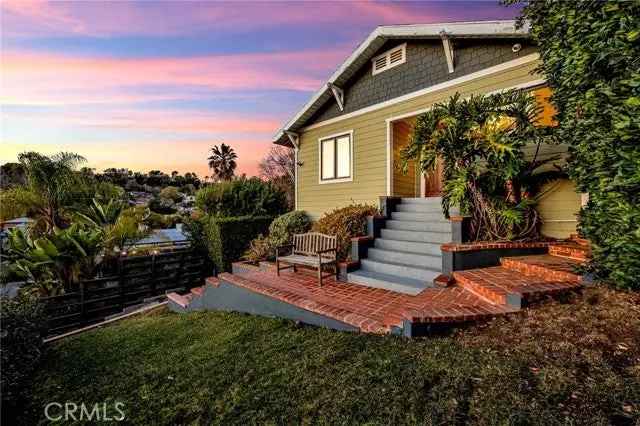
(153, 85)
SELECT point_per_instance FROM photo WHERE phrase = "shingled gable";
(383, 36)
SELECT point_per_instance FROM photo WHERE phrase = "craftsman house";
(348, 136)
(347, 141)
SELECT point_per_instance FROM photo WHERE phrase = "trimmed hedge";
(229, 237)
(21, 347)
(242, 197)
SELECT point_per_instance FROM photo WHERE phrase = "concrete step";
(419, 208)
(390, 268)
(432, 249)
(417, 236)
(387, 282)
(422, 200)
(406, 225)
(418, 217)
(405, 258)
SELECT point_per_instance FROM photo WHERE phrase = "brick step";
(509, 287)
(578, 240)
(447, 306)
(545, 266)
(180, 300)
(571, 250)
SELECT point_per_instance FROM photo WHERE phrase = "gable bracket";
(338, 93)
(294, 138)
(447, 44)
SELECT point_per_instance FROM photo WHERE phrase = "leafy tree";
(278, 167)
(170, 193)
(223, 162)
(12, 174)
(242, 197)
(480, 141)
(49, 191)
(590, 52)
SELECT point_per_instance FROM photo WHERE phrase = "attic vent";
(389, 59)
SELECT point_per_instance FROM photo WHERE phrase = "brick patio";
(475, 295)
(369, 309)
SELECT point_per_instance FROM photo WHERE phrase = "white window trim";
(387, 54)
(351, 142)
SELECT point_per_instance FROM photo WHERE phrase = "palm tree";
(222, 162)
(49, 191)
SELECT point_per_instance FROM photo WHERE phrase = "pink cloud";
(180, 121)
(41, 78)
(96, 18)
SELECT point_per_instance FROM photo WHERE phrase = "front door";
(433, 181)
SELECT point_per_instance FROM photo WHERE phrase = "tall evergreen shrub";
(590, 54)
(242, 197)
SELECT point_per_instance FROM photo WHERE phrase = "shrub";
(284, 226)
(170, 193)
(590, 52)
(228, 237)
(280, 232)
(162, 206)
(21, 346)
(345, 223)
(162, 221)
(260, 248)
(242, 197)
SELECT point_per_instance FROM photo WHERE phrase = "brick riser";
(481, 287)
(185, 300)
(570, 251)
(540, 271)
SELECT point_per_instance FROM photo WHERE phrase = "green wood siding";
(370, 145)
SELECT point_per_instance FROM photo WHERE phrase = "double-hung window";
(335, 158)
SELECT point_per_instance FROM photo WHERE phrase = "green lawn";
(576, 362)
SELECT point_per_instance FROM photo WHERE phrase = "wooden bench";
(311, 249)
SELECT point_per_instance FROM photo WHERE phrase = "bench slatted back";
(310, 243)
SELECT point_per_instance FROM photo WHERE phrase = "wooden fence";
(126, 283)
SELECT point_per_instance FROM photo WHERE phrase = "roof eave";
(476, 29)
